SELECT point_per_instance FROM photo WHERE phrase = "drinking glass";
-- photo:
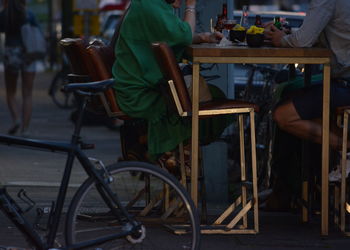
(228, 25)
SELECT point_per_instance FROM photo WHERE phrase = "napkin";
(224, 42)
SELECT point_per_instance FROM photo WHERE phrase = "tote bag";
(33, 41)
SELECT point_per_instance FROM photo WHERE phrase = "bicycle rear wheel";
(151, 195)
(61, 99)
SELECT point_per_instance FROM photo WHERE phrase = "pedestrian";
(12, 17)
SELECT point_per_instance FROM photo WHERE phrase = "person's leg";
(27, 90)
(289, 120)
(11, 87)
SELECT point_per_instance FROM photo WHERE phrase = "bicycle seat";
(90, 87)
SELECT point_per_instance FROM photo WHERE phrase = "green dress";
(137, 73)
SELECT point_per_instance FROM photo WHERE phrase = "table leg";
(325, 150)
(195, 130)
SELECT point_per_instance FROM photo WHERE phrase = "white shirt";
(330, 18)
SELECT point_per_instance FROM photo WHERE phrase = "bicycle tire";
(88, 213)
(61, 99)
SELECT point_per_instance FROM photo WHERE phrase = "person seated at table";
(137, 73)
(327, 23)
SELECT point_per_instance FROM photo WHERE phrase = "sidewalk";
(40, 172)
(49, 122)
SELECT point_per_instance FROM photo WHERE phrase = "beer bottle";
(224, 12)
(219, 23)
(277, 22)
(258, 22)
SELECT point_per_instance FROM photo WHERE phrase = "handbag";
(33, 41)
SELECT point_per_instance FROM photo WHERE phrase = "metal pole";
(50, 33)
(67, 18)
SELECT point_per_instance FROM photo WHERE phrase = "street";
(39, 173)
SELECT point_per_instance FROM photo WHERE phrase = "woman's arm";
(190, 14)
(207, 37)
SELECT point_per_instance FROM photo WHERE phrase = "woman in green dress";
(137, 73)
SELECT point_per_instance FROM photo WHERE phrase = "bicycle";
(259, 88)
(128, 205)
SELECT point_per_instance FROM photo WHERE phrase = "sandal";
(13, 130)
(172, 162)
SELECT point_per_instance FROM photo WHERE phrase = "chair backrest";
(74, 49)
(101, 63)
(94, 61)
(171, 72)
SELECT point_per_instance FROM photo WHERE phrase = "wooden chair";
(342, 203)
(181, 100)
(74, 49)
(92, 65)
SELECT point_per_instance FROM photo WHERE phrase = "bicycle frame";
(72, 149)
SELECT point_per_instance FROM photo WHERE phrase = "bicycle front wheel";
(151, 196)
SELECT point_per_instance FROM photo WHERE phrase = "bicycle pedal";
(87, 146)
(39, 215)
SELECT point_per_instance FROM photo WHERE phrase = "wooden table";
(211, 53)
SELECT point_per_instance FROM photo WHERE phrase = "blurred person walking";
(12, 18)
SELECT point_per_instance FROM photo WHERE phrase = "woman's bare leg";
(27, 97)
(11, 88)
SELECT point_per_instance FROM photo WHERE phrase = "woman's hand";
(191, 3)
(208, 37)
(274, 35)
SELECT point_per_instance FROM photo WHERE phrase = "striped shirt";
(326, 21)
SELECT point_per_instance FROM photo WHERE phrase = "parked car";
(109, 23)
(111, 12)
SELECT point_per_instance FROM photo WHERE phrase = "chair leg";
(243, 167)
(183, 180)
(182, 164)
(254, 170)
(343, 172)
(336, 212)
(203, 194)
(305, 199)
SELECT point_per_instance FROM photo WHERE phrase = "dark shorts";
(308, 102)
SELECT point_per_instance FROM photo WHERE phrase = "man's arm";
(319, 14)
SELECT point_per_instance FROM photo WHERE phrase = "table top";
(213, 50)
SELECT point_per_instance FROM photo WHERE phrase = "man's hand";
(274, 34)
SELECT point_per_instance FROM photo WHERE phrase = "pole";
(67, 18)
(50, 32)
